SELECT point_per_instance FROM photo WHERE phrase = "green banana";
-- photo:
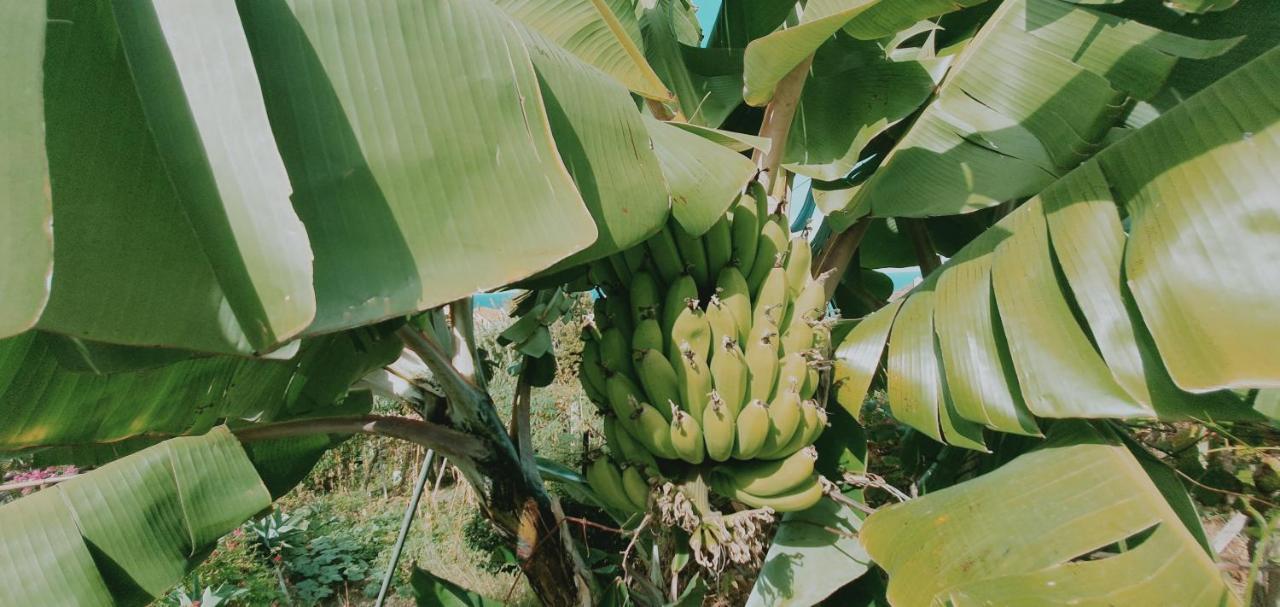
(600, 399)
(798, 338)
(762, 362)
(811, 304)
(799, 439)
(730, 376)
(611, 430)
(653, 430)
(665, 255)
(635, 488)
(648, 336)
(752, 427)
(718, 428)
(681, 295)
(745, 231)
(732, 290)
(622, 392)
(771, 300)
(693, 255)
(811, 382)
(691, 329)
(624, 445)
(803, 497)
(766, 479)
(721, 321)
(799, 258)
(621, 273)
(646, 302)
(792, 373)
(719, 245)
(606, 482)
(785, 415)
(817, 424)
(633, 258)
(591, 372)
(694, 382)
(615, 352)
(659, 381)
(686, 438)
(618, 309)
(773, 245)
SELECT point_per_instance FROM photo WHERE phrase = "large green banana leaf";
(840, 113)
(45, 403)
(813, 554)
(127, 532)
(604, 145)
(1078, 522)
(770, 58)
(229, 179)
(704, 177)
(26, 234)
(604, 33)
(173, 224)
(1032, 96)
(1138, 286)
(414, 143)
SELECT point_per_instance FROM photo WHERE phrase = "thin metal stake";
(404, 528)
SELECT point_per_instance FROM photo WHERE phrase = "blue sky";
(707, 10)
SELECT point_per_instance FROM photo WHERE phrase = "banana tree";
(225, 221)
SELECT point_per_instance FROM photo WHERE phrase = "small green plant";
(209, 596)
(276, 531)
(480, 536)
(327, 562)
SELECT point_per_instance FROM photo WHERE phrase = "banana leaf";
(1087, 301)
(1077, 522)
(127, 532)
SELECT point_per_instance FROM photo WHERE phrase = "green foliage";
(483, 538)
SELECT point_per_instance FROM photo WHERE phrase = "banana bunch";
(705, 353)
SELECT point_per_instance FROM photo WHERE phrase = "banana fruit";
(770, 478)
(605, 480)
(803, 497)
(708, 354)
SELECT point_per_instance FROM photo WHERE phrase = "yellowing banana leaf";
(125, 533)
(703, 177)
(600, 34)
(26, 234)
(1045, 312)
(813, 554)
(417, 142)
(738, 142)
(1031, 97)
(771, 57)
(43, 403)
(173, 220)
(1068, 524)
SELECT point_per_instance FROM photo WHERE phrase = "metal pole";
(404, 528)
